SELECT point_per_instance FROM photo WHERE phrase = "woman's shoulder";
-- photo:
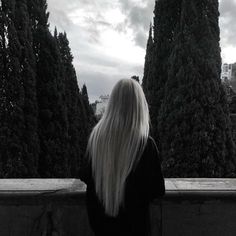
(151, 145)
(150, 151)
(151, 140)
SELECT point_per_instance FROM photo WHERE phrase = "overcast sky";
(108, 37)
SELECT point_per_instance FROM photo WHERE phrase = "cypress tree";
(90, 117)
(84, 93)
(27, 72)
(232, 105)
(77, 123)
(166, 16)
(3, 125)
(12, 146)
(194, 124)
(148, 65)
(135, 77)
(38, 81)
(52, 118)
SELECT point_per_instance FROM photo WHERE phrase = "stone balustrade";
(56, 207)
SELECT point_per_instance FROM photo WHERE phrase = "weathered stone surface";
(43, 207)
(195, 218)
(56, 207)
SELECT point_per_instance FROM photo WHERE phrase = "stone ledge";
(56, 207)
(200, 188)
(62, 186)
(74, 189)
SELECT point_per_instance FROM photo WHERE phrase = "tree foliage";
(44, 120)
(159, 47)
(13, 146)
(77, 105)
(191, 113)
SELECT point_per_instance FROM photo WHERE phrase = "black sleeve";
(156, 180)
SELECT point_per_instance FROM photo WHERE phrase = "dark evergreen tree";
(77, 119)
(90, 117)
(44, 119)
(135, 77)
(195, 132)
(147, 74)
(232, 105)
(166, 17)
(27, 73)
(3, 95)
(233, 121)
(53, 124)
(12, 126)
(84, 93)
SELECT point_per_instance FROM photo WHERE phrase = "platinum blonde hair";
(117, 142)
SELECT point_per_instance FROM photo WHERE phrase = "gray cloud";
(94, 25)
(228, 22)
(68, 6)
(227, 7)
(138, 19)
(63, 22)
(141, 39)
(92, 59)
(121, 27)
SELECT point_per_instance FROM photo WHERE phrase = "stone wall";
(43, 207)
(56, 207)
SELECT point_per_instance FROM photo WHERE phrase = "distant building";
(100, 106)
(228, 75)
(226, 71)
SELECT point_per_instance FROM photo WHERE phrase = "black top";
(142, 185)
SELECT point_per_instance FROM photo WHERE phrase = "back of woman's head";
(117, 142)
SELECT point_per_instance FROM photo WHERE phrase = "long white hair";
(117, 142)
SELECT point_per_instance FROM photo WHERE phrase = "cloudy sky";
(108, 38)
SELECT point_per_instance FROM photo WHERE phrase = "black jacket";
(142, 185)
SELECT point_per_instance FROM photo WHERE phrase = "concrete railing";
(56, 207)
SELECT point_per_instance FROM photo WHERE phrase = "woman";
(123, 172)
